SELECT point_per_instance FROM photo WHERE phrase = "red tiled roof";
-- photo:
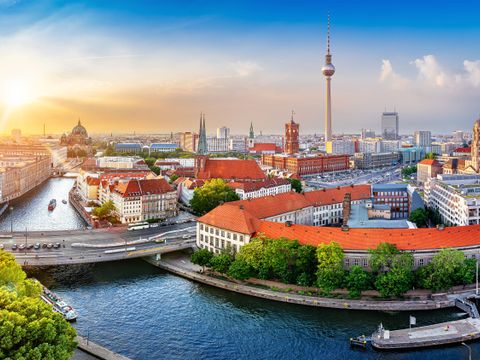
(268, 206)
(129, 174)
(92, 181)
(430, 162)
(364, 239)
(463, 150)
(336, 195)
(228, 169)
(143, 187)
(261, 147)
(252, 186)
(232, 218)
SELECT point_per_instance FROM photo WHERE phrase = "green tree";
(210, 195)
(155, 170)
(306, 265)
(430, 156)
(240, 270)
(173, 178)
(150, 161)
(202, 257)
(330, 273)
(253, 254)
(105, 211)
(381, 258)
(409, 170)
(396, 282)
(419, 217)
(358, 280)
(221, 263)
(296, 185)
(29, 328)
(446, 269)
(280, 258)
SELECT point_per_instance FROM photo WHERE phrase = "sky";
(153, 66)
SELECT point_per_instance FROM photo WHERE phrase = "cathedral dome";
(79, 130)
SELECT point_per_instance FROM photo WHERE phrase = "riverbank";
(180, 264)
(97, 351)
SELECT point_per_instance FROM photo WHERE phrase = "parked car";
(56, 245)
(37, 246)
(21, 246)
(30, 246)
(49, 245)
(14, 247)
(44, 245)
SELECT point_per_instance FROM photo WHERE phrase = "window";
(234, 236)
(241, 238)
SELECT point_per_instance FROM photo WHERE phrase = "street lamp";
(469, 351)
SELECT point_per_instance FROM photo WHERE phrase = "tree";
(446, 269)
(381, 258)
(430, 156)
(280, 257)
(409, 170)
(202, 257)
(210, 195)
(306, 265)
(155, 170)
(330, 274)
(296, 185)
(395, 282)
(29, 328)
(221, 263)
(358, 280)
(150, 161)
(105, 211)
(240, 270)
(252, 254)
(419, 217)
(173, 178)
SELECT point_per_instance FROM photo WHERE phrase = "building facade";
(375, 160)
(292, 144)
(390, 124)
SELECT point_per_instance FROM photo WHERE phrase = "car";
(187, 236)
(56, 245)
(21, 246)
(37, 246)
(49, 245)
(2, 246)
(154, 225)
(44, 245)
(14, 247)
(30, 246)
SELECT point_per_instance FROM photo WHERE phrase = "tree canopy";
(210, 195)
(105, 211)
(330, 273)
(419, 217)
(296, 185)
(29, 329)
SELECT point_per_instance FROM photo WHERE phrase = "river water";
(145, 313)
(31, 210)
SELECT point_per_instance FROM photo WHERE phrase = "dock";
(450, 332)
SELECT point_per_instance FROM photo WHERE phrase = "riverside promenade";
(87, 350)
(180, 264)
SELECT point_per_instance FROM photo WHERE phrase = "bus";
(138, 226)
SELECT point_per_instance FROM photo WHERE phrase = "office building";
(367, 134)
(223, 132)
(375, 160)
(336, 147)
(307, 165)
(390, 122)
(423, 139)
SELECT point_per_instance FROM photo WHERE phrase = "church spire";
(202, 137)
(252, 134)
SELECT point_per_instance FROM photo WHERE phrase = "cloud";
(388, 75)
(430, 71)
(245, 68)
(472, 69)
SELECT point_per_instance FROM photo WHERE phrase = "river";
(145, 313)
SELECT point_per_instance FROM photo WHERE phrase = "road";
(86, 246)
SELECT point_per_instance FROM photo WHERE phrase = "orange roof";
(93, 181)
(232, 218)
(143, 187)
(430, 162)
(336, 195)
(268, 206)
(230, 169)
(364, 239)
(463, 150)
(260, 147)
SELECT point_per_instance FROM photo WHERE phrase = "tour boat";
(52, 204)
(64, 201)
(59, 305)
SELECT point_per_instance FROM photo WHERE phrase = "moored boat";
(52, 204)
(58, 305)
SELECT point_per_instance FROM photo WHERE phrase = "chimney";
(288, 223)
(241, 206)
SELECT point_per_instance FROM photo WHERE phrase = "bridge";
(55, 248)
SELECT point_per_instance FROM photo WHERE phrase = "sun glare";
(17, 93)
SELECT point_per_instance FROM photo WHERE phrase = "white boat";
(58, 305)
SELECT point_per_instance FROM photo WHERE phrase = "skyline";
(160, 65)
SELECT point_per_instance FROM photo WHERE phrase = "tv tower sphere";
(328, 69)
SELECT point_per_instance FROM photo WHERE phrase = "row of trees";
(29, 329)
(391, 271)
(422, 217)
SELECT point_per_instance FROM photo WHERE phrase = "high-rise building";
(458, 136)
(368, 133)
(202, 137)
(223, 132)
(292, 145)
(189, 141)
(476, 146)
(423, 139)
(340, 147)
(328, 70)
(390, 125)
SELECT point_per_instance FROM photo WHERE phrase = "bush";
(221, 263)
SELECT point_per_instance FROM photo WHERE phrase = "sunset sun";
(17, 93)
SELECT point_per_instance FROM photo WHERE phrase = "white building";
(423, 139)
(456, 197)
(238, 144)
(263, 188)
(370, 145)
(339, 147)
(390, 145)
(215, 144)
(223, 133)
(121, 162)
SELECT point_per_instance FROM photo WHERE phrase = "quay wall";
(98, 350)
(407, 305)
(79, 208)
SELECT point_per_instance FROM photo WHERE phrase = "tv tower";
(328, 70)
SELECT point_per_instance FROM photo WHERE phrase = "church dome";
(79, 130)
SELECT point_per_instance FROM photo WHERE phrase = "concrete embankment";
(182, 267)
(98, 351)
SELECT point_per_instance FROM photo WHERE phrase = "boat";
(64, 201)
(359, 341)
(52, 204)
(58, 305)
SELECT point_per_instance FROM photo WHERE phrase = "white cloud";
(429, 70)
(388, 75)
(472, 69)
(245, 68)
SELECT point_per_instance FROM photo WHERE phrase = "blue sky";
(157, 64)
